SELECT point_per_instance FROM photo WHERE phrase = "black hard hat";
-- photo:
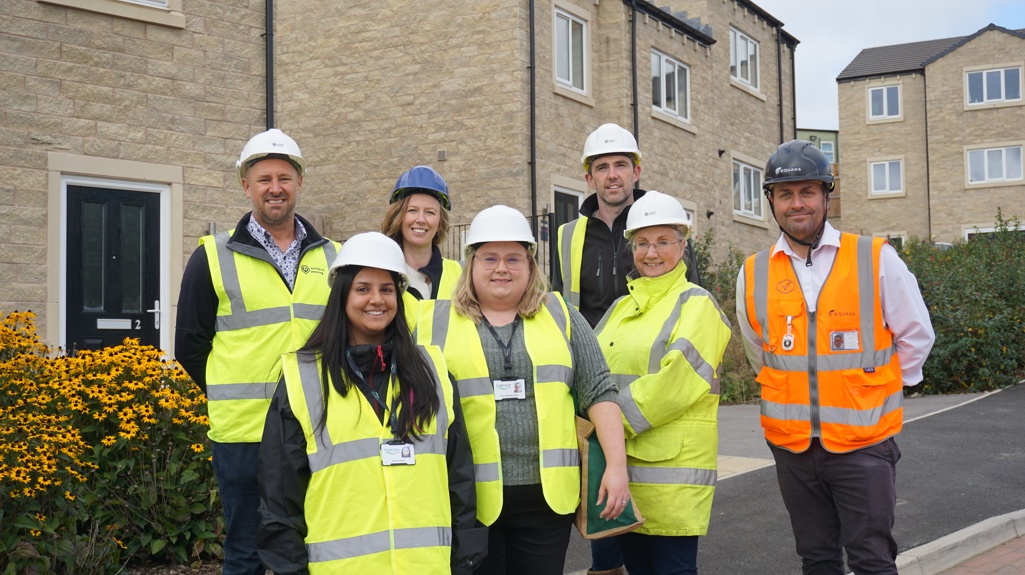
(795, 161)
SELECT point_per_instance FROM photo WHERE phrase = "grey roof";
(907, 58)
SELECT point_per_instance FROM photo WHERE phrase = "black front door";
(113, 267)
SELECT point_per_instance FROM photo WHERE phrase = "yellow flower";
(109, 440)
(40, 517)
(69, 496)
(35, 532)
(198, 447)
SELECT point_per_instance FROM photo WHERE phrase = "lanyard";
(506, 346)
(373, 392)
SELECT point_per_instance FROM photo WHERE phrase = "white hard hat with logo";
(371, 250)
(273, 142)
(499, 224)
(656, 209)
(609, 139)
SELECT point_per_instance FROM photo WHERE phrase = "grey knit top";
(516, 420)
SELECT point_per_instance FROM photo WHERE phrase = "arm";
(469, 537)
(905, 314)
(195, 325)
(688, 371)
(752, 341)
(284, 474)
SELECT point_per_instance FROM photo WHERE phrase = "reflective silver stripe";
(863, 417)
(566, 255)
(308, 311)
(344, 452)
(672, 475)
(254, 318)
(415, 537)
(439, 327)
(631, 411)
(761, 292)
(230, 391)
(309, 378)
(786, 411)
(485, 472)
(474, 386)
(229, 273)
(433, 444)
(866, 294)
(553, 373)
(799, 363)
(608, 313)
(330, 253)
(560, 458)
(349, 547)
(704, 369)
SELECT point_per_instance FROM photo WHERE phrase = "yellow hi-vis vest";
(664, 343)
(450, 272)
(838, 377)
(258, 319)
(571, 254)
(547, 337)
(362, 516)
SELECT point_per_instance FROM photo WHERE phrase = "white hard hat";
(371, 250)
(273, 142)
(656, 209)
(499, 224)
(609, 139)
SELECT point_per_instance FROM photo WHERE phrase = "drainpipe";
(633, 66)
(779, 80)
(928, 179)
(268, 37)
(533, 127)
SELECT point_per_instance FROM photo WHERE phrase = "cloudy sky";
(833, 32)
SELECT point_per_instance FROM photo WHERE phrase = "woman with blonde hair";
(519, 355)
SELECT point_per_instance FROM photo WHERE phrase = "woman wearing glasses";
(518, 354)
(664, 344)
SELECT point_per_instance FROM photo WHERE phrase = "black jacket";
(197, 303)
(284, 473)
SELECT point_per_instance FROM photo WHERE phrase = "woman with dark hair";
(365, 465)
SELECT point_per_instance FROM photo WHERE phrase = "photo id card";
(397, 453)
(843, 340)
(510, 389)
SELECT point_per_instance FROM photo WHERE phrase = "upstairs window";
(827, 151)
(887, 177)
(994, 165)
(743, 58)
(747, 190)
(990, 86)
(884, 102)
(670, 86)
(570, 34)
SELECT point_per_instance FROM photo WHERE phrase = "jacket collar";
(646, 292)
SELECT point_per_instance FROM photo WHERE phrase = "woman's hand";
(615, 490)
(615, 484)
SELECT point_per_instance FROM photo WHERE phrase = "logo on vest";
(306, 269)
(837, 313)
(785, 286)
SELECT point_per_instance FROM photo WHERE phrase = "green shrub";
(103, 458)
(975, 292)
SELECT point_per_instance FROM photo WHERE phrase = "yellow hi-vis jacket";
(450, 272)
(547, 337)
(362, 516)
(838, 376)
(571, 254)
(257, 320)
(664, 343)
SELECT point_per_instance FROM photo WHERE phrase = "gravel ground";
(208, 568)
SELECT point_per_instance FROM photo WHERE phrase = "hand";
(615, 487)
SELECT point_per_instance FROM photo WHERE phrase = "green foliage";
(975, 292)
(720, 278)
(103, 459)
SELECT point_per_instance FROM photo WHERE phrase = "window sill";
(1000, 184)
(887, 196)
(673, 120)
(742, 219)
(170, 17)
(992, 105)
(574, 95)
(747, 89)
(888, 120)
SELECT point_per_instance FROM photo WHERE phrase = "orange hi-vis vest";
(832, 373)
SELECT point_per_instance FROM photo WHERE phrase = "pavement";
(960, 489)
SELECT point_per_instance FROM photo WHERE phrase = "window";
(570, 32)
(827, 150)
(747, 190)
(887, 177)
(670, 86)
(743, 58)
(988, 86)
(154, 3)
(994, 165)
(884, 102)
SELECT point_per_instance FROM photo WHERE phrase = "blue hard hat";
(421, 180)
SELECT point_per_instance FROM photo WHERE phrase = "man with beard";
(835, 326)
(248, 296)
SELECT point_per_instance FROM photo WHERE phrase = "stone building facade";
(932, 135)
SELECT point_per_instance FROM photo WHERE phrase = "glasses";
(661, 246)
(490, 262)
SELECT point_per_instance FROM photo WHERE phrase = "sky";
(833, 32)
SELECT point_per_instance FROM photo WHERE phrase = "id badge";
(510, 389)
(843, 340)
(397, 453)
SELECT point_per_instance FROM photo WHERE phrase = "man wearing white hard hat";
(247, 296)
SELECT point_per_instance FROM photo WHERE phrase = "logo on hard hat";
(277, 145)
(610, 140)
(651, 213)
(785, 170)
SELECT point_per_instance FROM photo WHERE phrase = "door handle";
(156, 313)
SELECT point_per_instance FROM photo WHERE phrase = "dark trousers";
(605, 554)
(841, 501)
(235, 468)
(528, 538)
(659, 555)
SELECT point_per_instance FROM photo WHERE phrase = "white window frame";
(889, 192)
(986, 100)
(986, 154)
(753, 197)
(570, 19)
(163, 12)
(752, 78)
(887, 114)
(831, 153)
(679, 68)
(902, 236)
